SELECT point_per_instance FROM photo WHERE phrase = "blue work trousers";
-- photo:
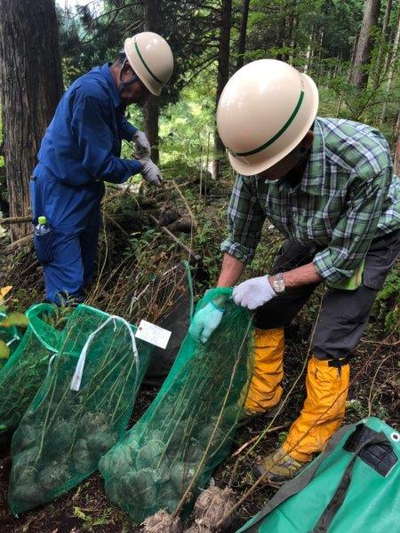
(68, 251)
(71, 269)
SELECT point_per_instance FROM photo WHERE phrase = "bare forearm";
(231, 271)
(304, 275)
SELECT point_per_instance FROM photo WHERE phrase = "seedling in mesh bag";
(80, 411)
(171, 452)
(25, 370)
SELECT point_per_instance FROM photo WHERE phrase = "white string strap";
(77, 377)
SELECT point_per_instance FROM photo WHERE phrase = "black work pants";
(344, 313)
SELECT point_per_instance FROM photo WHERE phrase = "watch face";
(278, 285)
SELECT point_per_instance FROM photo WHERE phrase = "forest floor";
(133, 253)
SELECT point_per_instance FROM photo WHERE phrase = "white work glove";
(142, 145)
(253, 292)
(205, 322)
(151, 172)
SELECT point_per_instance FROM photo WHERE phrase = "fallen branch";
(192, 254)
(24, 241)
(16, 220)
(381, 343)
(194, 221)
(270, 430)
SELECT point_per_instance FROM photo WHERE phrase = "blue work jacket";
(81, 149)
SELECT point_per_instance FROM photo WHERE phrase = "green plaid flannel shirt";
(347, 196)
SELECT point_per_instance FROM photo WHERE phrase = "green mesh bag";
(81, 409)
(188, 429)
(25, 370)
(10, 336)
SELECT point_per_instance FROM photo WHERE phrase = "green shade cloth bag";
(353, 486)
(188, 429)
(25, 370)
(81, 409)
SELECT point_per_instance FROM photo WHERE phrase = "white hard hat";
(151, 58)
(264, 111)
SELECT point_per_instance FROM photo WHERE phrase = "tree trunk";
(31, 85)
(280, 32)
(293, 42)
(392, 64)
(307, 63)
(152, 107)
(223, 70)
(291, 25)
(362, 58)
(397, 146)
(242, 34)
(151, 115)
(379, 72)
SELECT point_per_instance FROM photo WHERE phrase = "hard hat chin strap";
(124, 84)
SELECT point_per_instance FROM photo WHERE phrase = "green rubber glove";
(206, 321)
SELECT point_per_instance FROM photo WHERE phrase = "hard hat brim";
(252, 165)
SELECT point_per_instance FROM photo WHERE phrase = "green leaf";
(80, 514)
(15, 319)
(4, 350)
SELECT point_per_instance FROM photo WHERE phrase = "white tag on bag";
(153, 334)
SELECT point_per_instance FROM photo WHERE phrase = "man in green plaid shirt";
(345, 198)
(328, 186)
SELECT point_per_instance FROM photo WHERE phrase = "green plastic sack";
(25, 370)
(188, 429)
(81, 409)
(352, 486)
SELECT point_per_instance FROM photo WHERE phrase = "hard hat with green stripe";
(264, 111)
(151, 58)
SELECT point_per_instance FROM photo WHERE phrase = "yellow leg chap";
(323, 410)
(264, 389)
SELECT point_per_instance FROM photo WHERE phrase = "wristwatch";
(277, 283)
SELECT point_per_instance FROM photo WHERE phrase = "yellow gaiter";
(265, 390)
(323, 409)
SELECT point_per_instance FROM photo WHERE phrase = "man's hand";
(151, 172)
(253, 292)
(142, 145)
(205, 322)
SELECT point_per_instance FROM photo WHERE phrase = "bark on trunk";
(379, 71)
(309, 52)
(151, 115)
(291, 25)
(31, 85)
(152, 107)
(223, 70)
(242, 34)
(392, 65)
(280, 32)
(397, 146)
(359, 75)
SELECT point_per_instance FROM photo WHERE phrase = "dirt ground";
(374, 391)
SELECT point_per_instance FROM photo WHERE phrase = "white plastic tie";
(77, 377)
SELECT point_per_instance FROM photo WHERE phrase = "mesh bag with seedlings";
(25, 370)
(81, 409)
(165, 459)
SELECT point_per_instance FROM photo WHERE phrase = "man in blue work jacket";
(81, 149)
